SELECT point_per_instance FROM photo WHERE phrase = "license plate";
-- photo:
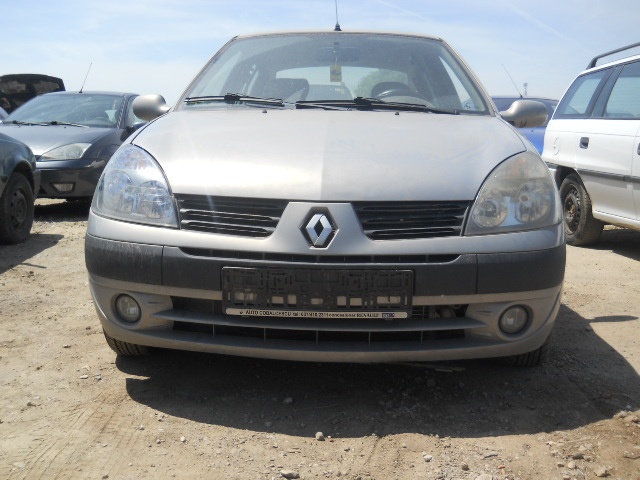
(317, 293)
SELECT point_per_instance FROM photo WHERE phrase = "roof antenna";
(514, 83)
(85, 78)
(337, 28)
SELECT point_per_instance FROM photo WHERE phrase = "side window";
(624, 100)
(131, 117)
(581, 96)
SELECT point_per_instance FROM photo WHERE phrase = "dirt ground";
(69, 408)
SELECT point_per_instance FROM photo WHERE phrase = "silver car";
(329, 196)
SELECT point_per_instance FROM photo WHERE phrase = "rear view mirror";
(149, 107)
(525, 114)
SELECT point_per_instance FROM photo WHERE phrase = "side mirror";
(148, 107)
(525, 114)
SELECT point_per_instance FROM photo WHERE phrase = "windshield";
(337, 66)
(86, 109)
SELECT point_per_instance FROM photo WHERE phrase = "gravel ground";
(69, 408)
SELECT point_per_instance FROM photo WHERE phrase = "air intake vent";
(244, 217)
(409, 220)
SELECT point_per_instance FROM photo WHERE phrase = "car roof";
(93, 92)
(517, 97)
(339, 32)
(595, 59)
(550, 103)
(612, 63)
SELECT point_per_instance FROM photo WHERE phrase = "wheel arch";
(23, 167)
(562, 173)
(27, 171)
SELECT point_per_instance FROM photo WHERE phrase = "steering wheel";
(397, 92)
(403, 92)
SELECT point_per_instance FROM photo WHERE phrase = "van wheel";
(16, 209)
(579, 225)
(529, 359)
(126, 349)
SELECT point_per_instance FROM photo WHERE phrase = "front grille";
(351, 260)
(411, 220)
(258, 218)
(244, 217)
(426, 323)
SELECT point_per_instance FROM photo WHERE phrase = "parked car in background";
(73, 135)
(592, 145)
(534, 134)
(17, 89)
(267, 215)
(19, 179)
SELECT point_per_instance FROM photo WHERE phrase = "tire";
(579, 225)
(126, 349)
(529, 359)
(16, 209)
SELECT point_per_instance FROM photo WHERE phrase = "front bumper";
(81, 176)
(457, 303)
(37, 180)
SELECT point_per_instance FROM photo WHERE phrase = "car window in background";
(624, 100)
(132, 120)
(579, 99)
(91, 110)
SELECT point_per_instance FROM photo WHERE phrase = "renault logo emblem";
(319, 229)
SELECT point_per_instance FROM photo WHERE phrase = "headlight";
(518, 195)
(73, 151)
(133, 188)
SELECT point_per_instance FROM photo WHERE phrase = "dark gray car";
(73, 135)
(329, 196)
(19, 179)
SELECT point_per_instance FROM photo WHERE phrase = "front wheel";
(579, 225)
(16, 209)
(126, 349)
(529, 359)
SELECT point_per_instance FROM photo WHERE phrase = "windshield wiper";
(326, 104)
(20, 122)
(66, 124)
(413, 107)
(364, 103)
(46, 124)
(236, 98)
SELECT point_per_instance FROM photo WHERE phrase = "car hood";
(41, 139)
(320, 155)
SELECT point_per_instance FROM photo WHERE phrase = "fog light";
(514, 320)
(128, 308)
(63, 187)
